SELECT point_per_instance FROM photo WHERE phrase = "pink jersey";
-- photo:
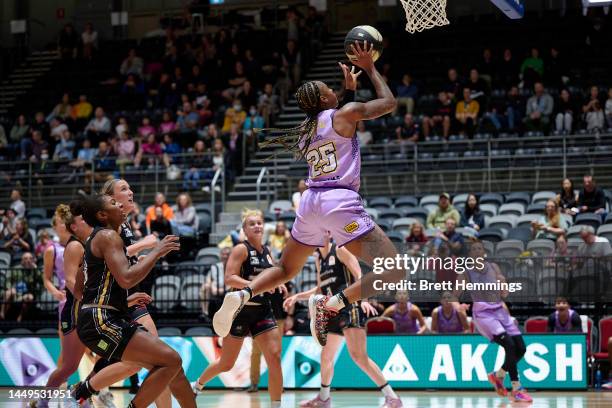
(333, 161)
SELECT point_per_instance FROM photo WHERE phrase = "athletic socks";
(248, 293)
(387, 391)
(275, 404)
(198, 385)
(337, 302)
(516, 385)
(501, 374)
(324, 392)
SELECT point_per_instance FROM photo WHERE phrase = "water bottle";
(598, 379)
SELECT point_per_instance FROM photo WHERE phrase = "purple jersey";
(58, 264)
(452, 324)
(566, 327)
(333, 161)
(484, 299)
(404, 323)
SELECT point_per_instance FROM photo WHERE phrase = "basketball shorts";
(348, 318)
(69, 315)
(138, 311)
(106, 332)
(338, 210)
(493, 322)
(253, 321)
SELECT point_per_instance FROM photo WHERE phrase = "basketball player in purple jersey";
(327, 140)
(448, 319)
(564, 319)
(492, 319)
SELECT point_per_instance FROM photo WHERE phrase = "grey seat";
(280, 206)
(199, 331)
(190, 291)
(542, 197)
(594, 220)
(536, 208)
(509, 248)
(489, 248)
(460, 198)
(389, 214)
(403, 224)
(517, 209)
(491, 234)
(502, 221)
(20, 331)
(406, 202)
(429, 199)
(543, 247)
(373, 212)
(493, 198)
(165, 292)
(526, 219)
(208, 256)
(574, 231)
(488, 209)
(520, 197)
(169, 331)
(605, 231)
(47, 331)
(417, 212)
(380, 203)
(5, 259)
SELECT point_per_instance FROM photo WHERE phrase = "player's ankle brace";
(84, 391)
(249, 291)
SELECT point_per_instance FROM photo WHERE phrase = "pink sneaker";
(498, 385)
(319, 318)
(520, 395)
(316, 402)
(392, 403)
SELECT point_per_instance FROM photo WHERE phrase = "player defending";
(328, 141)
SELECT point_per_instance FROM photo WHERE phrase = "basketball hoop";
(424, 14)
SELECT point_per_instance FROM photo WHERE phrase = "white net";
(424, 14)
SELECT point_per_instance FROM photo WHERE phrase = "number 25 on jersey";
(322, 160)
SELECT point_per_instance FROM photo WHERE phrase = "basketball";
(363, 33)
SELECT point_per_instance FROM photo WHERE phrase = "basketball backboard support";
(514, 9)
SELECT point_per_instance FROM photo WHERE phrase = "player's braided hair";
(308, 98)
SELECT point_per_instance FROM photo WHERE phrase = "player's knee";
(274, 355)
(358, 356)
(225, 365)
(171, 358)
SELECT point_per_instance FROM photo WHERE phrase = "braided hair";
(308, 98)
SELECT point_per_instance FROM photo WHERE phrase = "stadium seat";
(542, 197)
(537, 324)
(373, 213)
(380, 325)
(165, 292)
(491, 234)
(384, 225)
(47, 331)
(502, 221)
(287, 216)
(5, 259)
(406, 202)
(395, 237)
(516, 209)
(279, 206)
(492, 198)
(594, 220)
(519, 197)
(605, 231)
(509, 248)
(543, 247)
(605, 332)
(526, 219)
(47, 302)
(204, 222)
(169, 331)
(199, 331)
(208, 256)
(429, 199)
(521, 234)
(403, 225)
(574, 232)
(488, 209)
(460, 198)
(609, 219)
(380, 203)
(203, 207)
(587, 327)
(35, 212)
(190, 291)
(418, 212)
(389, 214)
(20, 331)
(489, 248)
(536, 208)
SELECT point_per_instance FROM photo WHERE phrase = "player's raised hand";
(168, 244)
(362, 56)
(350, 76)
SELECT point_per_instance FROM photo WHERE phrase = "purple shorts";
(492, 321)
(337, 210)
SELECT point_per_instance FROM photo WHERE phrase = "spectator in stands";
(564, 319)
(122, 126)
(451, 237)
(81, 111)
(166, 210)
(278, 239)
(146, 128)
(41, 125)
(507, 70)
(37, 147)
(471, 217)
(594, 117)
(608, 109)
(551, 225)
(151, 150)
(185, 217)
(539, 109)
(591, 198)
(247, 94)
(237, 78)
(170, 149)
(447, 319)
(365, 136)
(167, 125)
(253, 121)
(85, 154)
(89, 38)
(565, 110)
(445, 210)
(407, 316)
(132, 64)
(296, 197)
(198, 161)
(556, 73)
(64, 149)
(407, 94)
(17, 204)
(63, 109)
(593, 245)
(478, 87)
(417, 239)
(409, 130)
(132, 92)
(187, 121)
(19, 133)
(67, 43)
(160, 226)
(292, 63)
(268, 104)
(20, 242)
(99, 127)
(7, 229)
(532, 68)
(486, 67)
(57, 128)
(44, 241)
(466, 113)
(125, 148)
(441, 115)
(567, 199)
(213, 289)
(453, 86)
(22, 287)
(234, 115)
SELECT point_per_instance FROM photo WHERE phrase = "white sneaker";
(194, 388)
(105, 399)
(223, 319)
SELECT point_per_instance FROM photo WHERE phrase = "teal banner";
(440, 361)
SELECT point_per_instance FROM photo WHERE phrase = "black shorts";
(138, 311)
(253, 321)
(69, 316)
(348, 318)
(106, 332)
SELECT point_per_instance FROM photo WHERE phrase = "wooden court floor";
(370, 399)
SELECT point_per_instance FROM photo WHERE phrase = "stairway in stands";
(23, 78)
(324, 69)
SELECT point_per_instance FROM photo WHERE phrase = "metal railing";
(219, 174)
(263, 172)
